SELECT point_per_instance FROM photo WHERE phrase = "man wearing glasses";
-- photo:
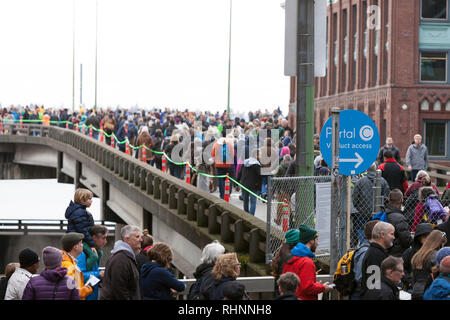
(391, 274)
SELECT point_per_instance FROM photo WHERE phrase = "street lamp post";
(229, 62)
(96, 37)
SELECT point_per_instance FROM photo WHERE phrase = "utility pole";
(73, 59)
(229, 62)
(305, 88)
(81, 84)
(96, 37)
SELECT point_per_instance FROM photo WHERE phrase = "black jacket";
(287, 296)
(394, 174)
(422, 229)
(250, 174)
(388, 291)
(121, 279)
(445, 227)
(403, 237)
(422, 278)
(395, 153)
(4, 286)
(373, 257)
(214, 290)
(362, 196)
(202, 272)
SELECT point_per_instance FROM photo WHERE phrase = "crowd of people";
(259, 145)
(409, 247)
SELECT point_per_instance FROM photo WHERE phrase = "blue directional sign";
(359, 142)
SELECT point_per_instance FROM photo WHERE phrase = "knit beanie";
(444, 266)
(307, 234)
(27, 258)
(52, 257)
(292, 236)
(442, 253)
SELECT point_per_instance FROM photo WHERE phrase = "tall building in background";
(389, 59)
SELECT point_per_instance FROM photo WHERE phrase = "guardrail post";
(156, 189)
(130, 172)
(202, 219)
(255, 254)
(164, 195)
(125, 169)
(225, 233)
(213, 225)
(190, 210)
(239, 241)
(142, 178)
(137, 176)
(172, 197)
(181, 205)
(149, 183)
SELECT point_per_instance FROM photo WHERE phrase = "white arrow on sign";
(358, 159)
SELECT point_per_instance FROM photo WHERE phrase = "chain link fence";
(314, 201)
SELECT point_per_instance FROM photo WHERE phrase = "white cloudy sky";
(152, 53)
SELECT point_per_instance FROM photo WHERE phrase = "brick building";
(396, 71)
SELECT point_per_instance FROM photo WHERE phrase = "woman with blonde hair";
(9, 270)
(156, 281)
(424, 263)
(226, 269)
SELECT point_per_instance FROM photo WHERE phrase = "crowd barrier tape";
(112, 135)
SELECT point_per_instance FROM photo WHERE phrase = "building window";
(435, 137)
(433, 66)
(437, 105)
(447, 106)
(424, 105)
(434, 9)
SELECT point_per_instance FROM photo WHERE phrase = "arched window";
(437, 105)
(424, 105)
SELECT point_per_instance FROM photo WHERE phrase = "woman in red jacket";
(303, 265)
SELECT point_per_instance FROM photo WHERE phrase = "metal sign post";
(335, 192)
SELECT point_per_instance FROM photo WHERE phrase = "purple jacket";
(43, 286)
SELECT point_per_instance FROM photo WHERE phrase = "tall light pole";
(96, 37)
(73, 59)
(229, 62)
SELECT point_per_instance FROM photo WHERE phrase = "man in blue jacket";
(88, 261)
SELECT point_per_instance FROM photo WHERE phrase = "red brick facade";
(380, 93)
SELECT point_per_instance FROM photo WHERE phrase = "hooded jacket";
(201, 273)
(303, 266)
(403, 238)
(362, 196)
(156, 281)
(73, 271)
(250, 174)
(80, 220)
(121, 278)
(89, 262)
(51, 284)
(439, 289)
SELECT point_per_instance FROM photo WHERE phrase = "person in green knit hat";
(89, 261)
(303, 266)
(283, 255)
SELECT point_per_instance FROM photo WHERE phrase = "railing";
(259, 285)
(27, 226)
(236, 229)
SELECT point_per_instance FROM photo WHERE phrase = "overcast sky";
(162, 53)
